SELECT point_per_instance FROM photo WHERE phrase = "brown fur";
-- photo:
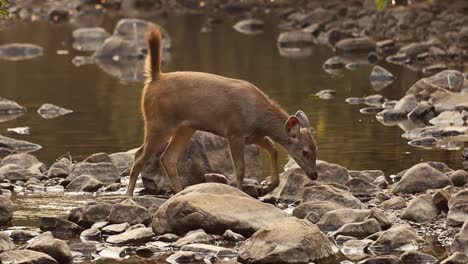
(176, 104)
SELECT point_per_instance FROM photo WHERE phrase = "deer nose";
(312, 175)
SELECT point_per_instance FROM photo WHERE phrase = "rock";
(406, 104)
(22, 160)
(381, 260)
(367, 175)
(22, 235)
(92, 233)
(110, 252)
(249, 26)
(205, 153)
(359, 229)
(325, 192)
(395, 203)
(115, 228)
(210, 249)
(460, 242)
(89, 39)
(419, 178)
(123, 160)
(184, 257)
(456, 258)
(333, 63)
(106, 173)
(314, 210)
(464, 156)
(20, 51)
(396, 238)
(291, 185)
(60, 168)
(423, 111)
(59, 226)
(374, 100)
(58, 14)
(295, 39)
(18, 146)
(84, 183)
(331, 173)
(326, 94)
(20, 130)
(26, 256)
(6, 210)
(220, 206)
(98, 158)
(360, 187)
(451, 80)
(354, 46)
(48, 111)
(353, 248)
(196, 236)
(354, 100)
(131, 214)
(56, 248)
(5, 242)
(148, 202)
(459, 178)
(138, 235)
(286, 241)
(425, 142)
(435, 68)
(89, 214)
(458, 208)
(410, 257)
(167, 237)
(381, 182)
(232, 236)
(390, 116)
(216, 177)
(333, 220)
(440, 200)
(420, 210)
(380, 78)
(9, 107)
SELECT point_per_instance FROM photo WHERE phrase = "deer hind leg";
(153, 143)
(236, 148)
(171, 155)
(270, 146)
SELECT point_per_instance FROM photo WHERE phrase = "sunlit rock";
(362, 45)
(20, 51)
(380, 78)
(48, 111)
(250, 26)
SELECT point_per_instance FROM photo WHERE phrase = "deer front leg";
(236, 148)
(270, 146)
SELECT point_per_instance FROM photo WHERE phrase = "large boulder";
(205, 153)
(59, 226)
(5, 242)
(6, 210)
(314, 210)
(420, 210)
(398, 237)
(104, 172)
(460, 242)
(90, 214)
(132, 214)
(326, 192)
(214, 208)
(291, 185)
(458, 208)
(56, 248)
(290, 240)
(84, 183)
(335, 219)
(137, 235)
(419, 178)
(26, 256)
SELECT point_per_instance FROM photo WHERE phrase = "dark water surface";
(107, 118)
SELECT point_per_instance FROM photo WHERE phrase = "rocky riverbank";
(418, 215)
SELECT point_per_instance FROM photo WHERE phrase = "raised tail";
(153, 59)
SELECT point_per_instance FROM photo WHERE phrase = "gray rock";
(61, 168)
(220, 252)
(22, 160)
(106, 173)
(326, 192)
(411, 257)
(138, 235)
(456, 258)
(396, 238)
(362, 45)
(291, 185)
(360, 187)
(458, 208)
(233, 236)
(92, 233)
(249, 26)
(374, 100)
(334, 63)
(115, 228)
(367, 175)
(380, 78)
(419, 178)
(48, 111)
(295, 39)
(331, 173)
(22, 235)
(18, 146)
(89, 39)
(420, 210)
(90, 214)
(381, 260)
(6, 210)
(286, 241)
(5, 242)
(59, 226)
(146, 201)
(423, 111)
(84, 183)
(359, 229)
(214, 203)
(98, 158)
(395, 203)
(196, 236)
(333, 220)
(9, 107)
(314, 210)
(460, 242)
(26, 256)
(123, 160)
(459, 178)
(20, 51)
(131, 214)
(56, 248)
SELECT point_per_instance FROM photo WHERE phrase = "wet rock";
(354, 46)
(419, 178)
(98, 158)
(92, 233)
(131, 214)
(354, 100)
(79, 61)
(380, 78)
(456, 258)
(355, 249)
(106, 173)
(333, 220)
(390, 116)
(381, 260)
(56, 248)
(138, 235)
(148, 202)
(205, 153)
(300, 240)
(458, 208)
(233, 236)
(9, 107)
(366, 175)
(295, 39)
(110, 252)
(196, 236)
(123, 160)
(20, 130)
(460, 242)
(459, 178)
(420, 210)
(89, 39)
(90, 214)
(214, 203)
(5, 242)
(423, 111)
(84, 183)
(15, 173)
(398, 237)
(314, 210)
(20, 51)
(48, 111)
(381, 182)
(326, 94)
(27, 257)
(115, 228)
(326, 192)
(411, 257)
(333, 63)
(205, 249)
(371, 110)
(464, 155)
(451, 80)
(435, 132)
(250, 26)
(399, 59)
(448, 118)
(61, 169)
(185, 257)
(374, 100)
(359, 229)
(6, 210)
(59, 226)
(406, 104)
(440, 200)
(22, 160)
(433, 69)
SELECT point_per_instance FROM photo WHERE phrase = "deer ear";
(292, 126)
(304, 120)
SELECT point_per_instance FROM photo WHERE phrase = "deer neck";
(272, 124)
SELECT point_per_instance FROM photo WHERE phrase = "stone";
(89, 39)
(146, 201)
(360, 187)
(233, 236)
(6, 210)
(456, 258)
(333, 220)
(205, 153)
(291, 185)
(362, 45)
(48, 111)
(56, 248)
(423, 111)
(90, 214)
(420, 210)
(295, 39)
(123, 161)
(216, 177)
(374, 100)
(9, 107)
(410, 257)
(138, 235)
(92, 233)
(20, 51)
(397, 237)
(290, 240)
(115, 228)
(333, 63)
(22, 160)
(419, 178)
(220, 252)
(5, 242)
(381, 260)
(196, 236)
(26, 256)
(367, 175)
(220, 206)
(448, 118)
(84, 183)
(98, 158)
(395, 203)
(249, 26)
(60, 168)
(131, 214)
(59, 226)
(380, 78)
(314, 210)
(359, 229)
(18, 146)
(459, 178)
(104, 172)
(331, 173)
(460, 241)
(458, 208)
(440, 200)
(22, 235)
(326, 192)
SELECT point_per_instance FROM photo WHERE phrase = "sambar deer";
(175, 105)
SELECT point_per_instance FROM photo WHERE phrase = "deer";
(176, 104)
